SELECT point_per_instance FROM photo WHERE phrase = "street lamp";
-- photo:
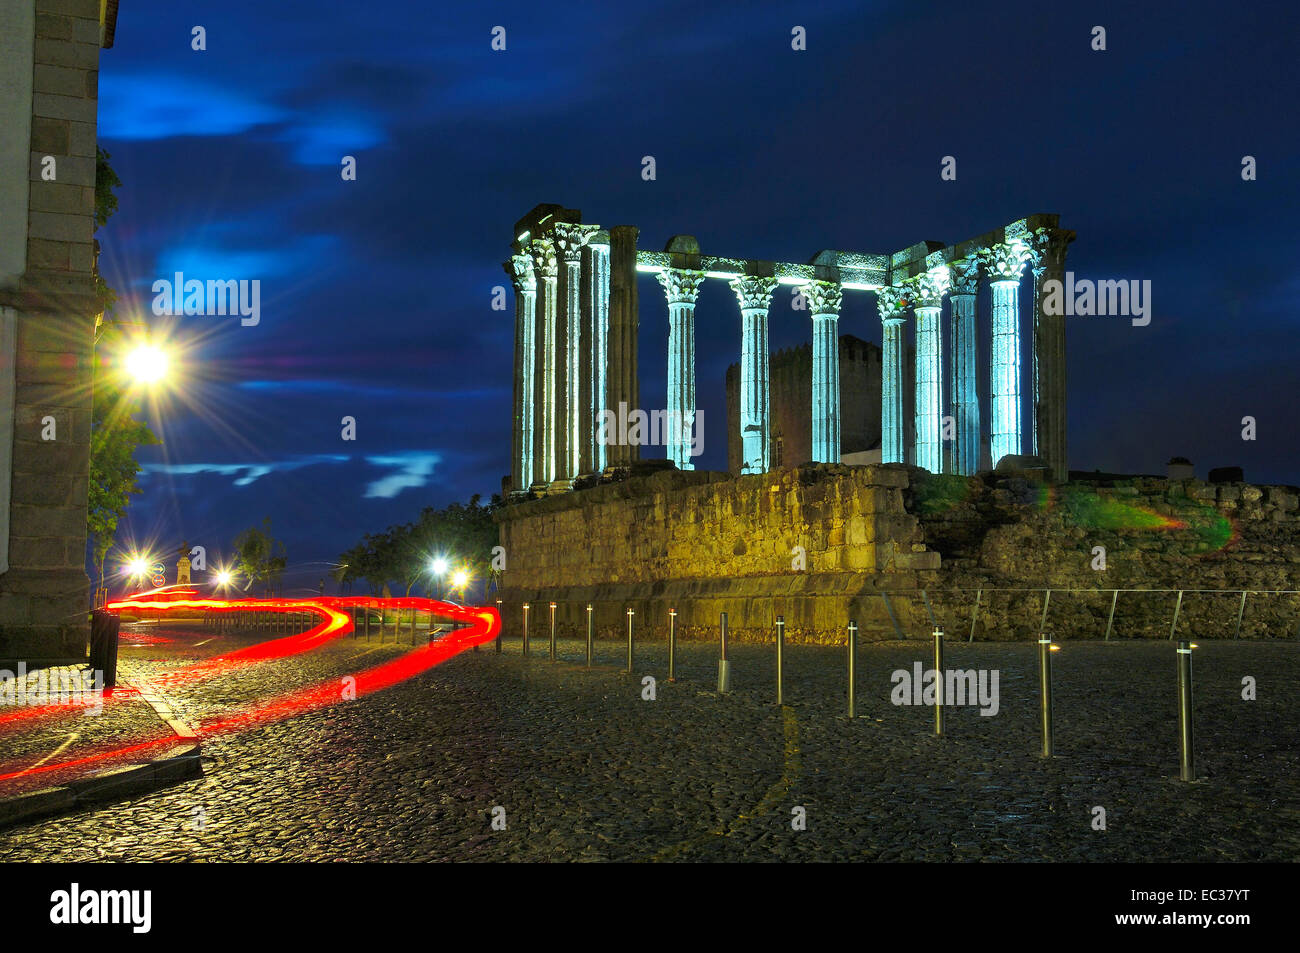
(146, 364)
(439, 568)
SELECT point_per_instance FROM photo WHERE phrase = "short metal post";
(552, 631)
(526, 608)
(724, 664)
(590, 635)
(1110, 619)
(975, 614)
(630, 614)
(1187, 760)
(1045, 691)
(1241, 611)
(938, 680)
(366, 610)
(499, 625)
(672, 645)
(853, 668)
(1178, 608)
(780, 660)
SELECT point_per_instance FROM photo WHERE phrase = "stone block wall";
(44, 594)
(898, 549)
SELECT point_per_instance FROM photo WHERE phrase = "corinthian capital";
(681, 285)
(520, 270)
(1047, 248)
(890, 302)
(544, 263)
(927, 290)
(754, 294)
(569, 239)
(964, 276)
(824, 297)
(1005, 262)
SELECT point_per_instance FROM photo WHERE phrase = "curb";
(112, 785)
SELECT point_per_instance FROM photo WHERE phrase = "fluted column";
(824, 299)
(755, 297)
(621, 381)
(893, 444)
(926, 294)
(569, 242)
(546, 272)
(1003, 265)
(520, 269)
(963, 386)
(681, 286)
(595, 324)
(1049, 246)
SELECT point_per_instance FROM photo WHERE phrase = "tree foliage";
(259, 556)
(462, 534)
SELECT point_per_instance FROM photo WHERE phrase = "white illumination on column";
(546, 270)
(521, 270)
(824, 299)
(964, 347)
(927, 296)
(755, 297)
(599, 347)
(889, 302)
(569, 241)
(1003, 264)
(681, 288)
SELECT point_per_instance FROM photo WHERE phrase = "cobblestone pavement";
(585, 769)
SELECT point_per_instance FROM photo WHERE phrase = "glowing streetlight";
(439, 566)
(460, 580)
(224, 579)
(146, 364)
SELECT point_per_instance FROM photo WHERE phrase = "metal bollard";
(366, 610)
(853, 668)
(526, 608)
(1187, 759)
(938, 680)
(780, 660)
(552, 631)
(590, 635)
(499, 625)
(672, 645)
(724, 664)
(630, 614)
(1045, 649)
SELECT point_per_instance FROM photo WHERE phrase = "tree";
(259, 556)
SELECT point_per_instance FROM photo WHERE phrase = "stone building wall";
(790, 388)
(47, 302)
(875, 537)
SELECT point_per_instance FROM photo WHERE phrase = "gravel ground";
(585, 769)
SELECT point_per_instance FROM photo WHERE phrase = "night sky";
(376, 294)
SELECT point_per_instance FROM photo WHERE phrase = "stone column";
(893, 445)
(546, 271)
(824, 299)
(595, 324)
(1003, 265)
(963, 387)
(755, 297)
(1049, 248)
(520, 269)
(681, 286)
(926, 294)
(569, 242)
(622, 393)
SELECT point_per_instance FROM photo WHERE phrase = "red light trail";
(480, 625)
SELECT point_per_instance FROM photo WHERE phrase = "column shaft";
(1004, 371)
(965, 399)
(893, 447)
(622, 392)
(598, 305)
(755, 297)
(929, 447)
(824, 299)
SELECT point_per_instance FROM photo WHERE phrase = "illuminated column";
(1003, 265)
(621, 380)
(965, 362)
(545, 269)
(1049, 354)
(755, 297)
(596, 304)
(681, 286)
(569, 241)
(926, 293)
(824, 299)
(889, 302)
(520, 269)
